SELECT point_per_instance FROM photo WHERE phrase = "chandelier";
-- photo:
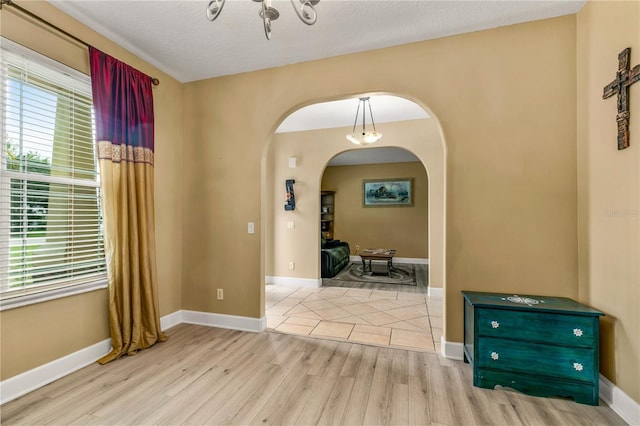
(304, 9)
(363, 137)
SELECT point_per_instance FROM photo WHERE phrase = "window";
(51, 241)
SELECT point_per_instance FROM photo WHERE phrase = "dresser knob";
(495, 324)
(577, 366)
(577, 332)
(495, 356)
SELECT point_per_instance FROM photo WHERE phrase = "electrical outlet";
(220, 294)
(292, 265)
(291, 224)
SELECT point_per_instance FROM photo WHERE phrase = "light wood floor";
(204, 375)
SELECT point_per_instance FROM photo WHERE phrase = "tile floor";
(375, 317)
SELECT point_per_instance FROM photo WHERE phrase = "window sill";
(56, 293)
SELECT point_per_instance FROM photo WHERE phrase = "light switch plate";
(251, 228)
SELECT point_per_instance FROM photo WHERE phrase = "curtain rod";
(32, 15)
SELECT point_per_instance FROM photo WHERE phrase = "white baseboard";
(435, 292)
(294, 282)
(171, 320)
(234, 322)
(452, 350)
(414, 260)
(16, 386)
(619, 401)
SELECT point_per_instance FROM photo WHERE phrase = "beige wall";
(506, 103)
(314, 149)
(37, 334)
(402, 228)
(609, 189)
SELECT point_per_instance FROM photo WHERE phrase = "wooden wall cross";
(625, 77)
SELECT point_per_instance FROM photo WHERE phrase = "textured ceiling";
(177, 38)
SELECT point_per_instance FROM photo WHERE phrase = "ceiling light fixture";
(304, 9)
(364, 137)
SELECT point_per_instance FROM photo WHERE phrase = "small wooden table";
(377, 254)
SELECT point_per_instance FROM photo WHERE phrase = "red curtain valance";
(123, 101)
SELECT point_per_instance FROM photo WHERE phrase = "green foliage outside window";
(37, 192)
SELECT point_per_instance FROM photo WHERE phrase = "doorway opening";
(298, 300)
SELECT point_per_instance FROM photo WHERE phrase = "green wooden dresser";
(542, 346)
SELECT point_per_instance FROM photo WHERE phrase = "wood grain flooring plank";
(379, 395)
(71, 382)
(508, 413)
(400, 367)
(261, 396)
(600, 415)
(18, 409)
(199, 363)
(482, 407)
(192, 366)
(315, 405)
(291, 368)
(67, 404)
(200, 399)
(438, 401)
(357, 405)
(350, 367)
(321, 357)
(241, 395)
(337, 360)
(212, 380)
(415, 363)
(306, 394)
(87, 420)
(418, 408)
(461, 407)
(335, 408)
(528, 413)
(281, 396)
(466, 373)
(398, 414)
(216, 398)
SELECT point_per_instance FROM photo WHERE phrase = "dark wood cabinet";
(543, 346)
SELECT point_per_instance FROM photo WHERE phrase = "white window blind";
(50, 220)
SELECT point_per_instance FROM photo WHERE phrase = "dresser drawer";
(536, 359)
(571, 330)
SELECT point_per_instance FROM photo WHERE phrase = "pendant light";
(364, 137)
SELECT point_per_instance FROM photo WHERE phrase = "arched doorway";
(292, 238)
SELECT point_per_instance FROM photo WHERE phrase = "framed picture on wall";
(387, 192)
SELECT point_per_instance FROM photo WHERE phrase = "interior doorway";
(298, 302)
